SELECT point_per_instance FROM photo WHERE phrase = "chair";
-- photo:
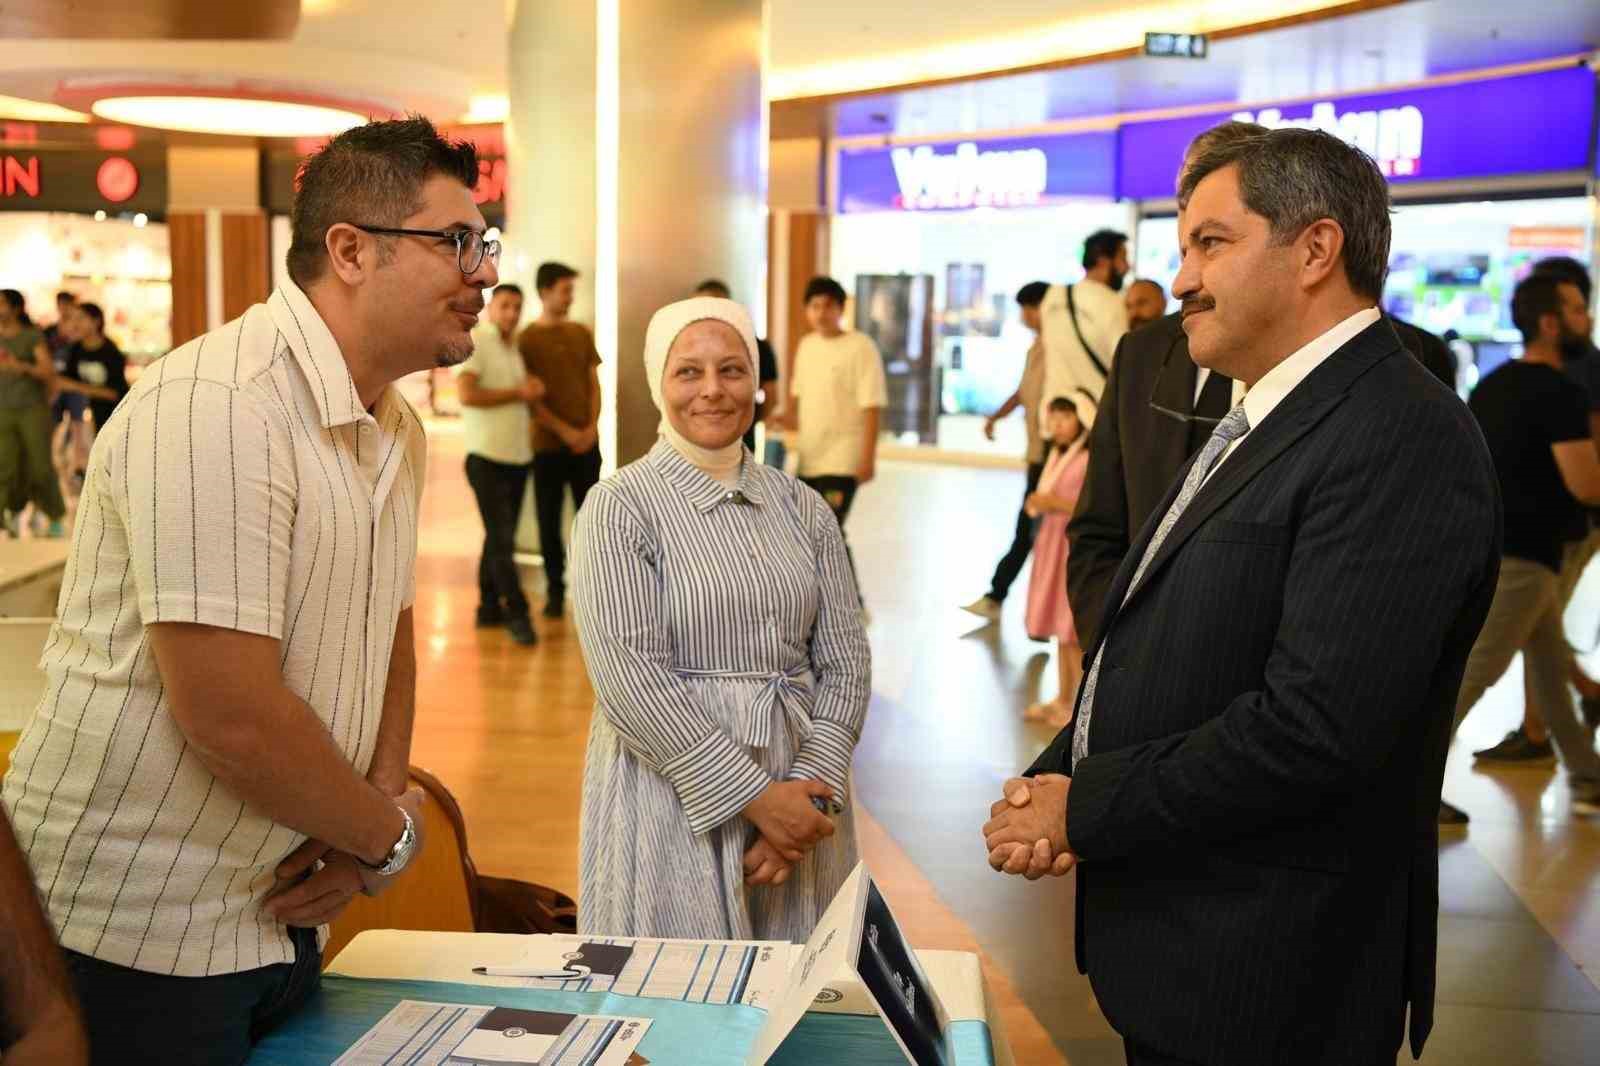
(442, 891)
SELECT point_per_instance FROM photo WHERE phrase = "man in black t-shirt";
(1536, 422)
(94, 366)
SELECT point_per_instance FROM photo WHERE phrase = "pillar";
(220, 256)
(636, 149)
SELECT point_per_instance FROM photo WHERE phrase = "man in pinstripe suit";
(1250, 786)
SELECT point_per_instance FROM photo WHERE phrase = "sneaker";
(555, 607)
(521, 631)
(1517, 748)
(1450, 815)
(56, 530)
(984, 607)
(490, 616)
(1586, 799)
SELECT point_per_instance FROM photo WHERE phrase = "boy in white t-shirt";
(836, 398)
(495, 390)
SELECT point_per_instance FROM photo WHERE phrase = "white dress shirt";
(1276, 385)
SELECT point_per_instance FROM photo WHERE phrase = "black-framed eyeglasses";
(1181, 416)
(471, 247)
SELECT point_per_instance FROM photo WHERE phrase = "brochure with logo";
(455, 1034)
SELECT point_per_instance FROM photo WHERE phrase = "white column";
(637, 155)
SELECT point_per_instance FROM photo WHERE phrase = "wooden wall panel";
(805, 229)
(186, 233)
(246, 277)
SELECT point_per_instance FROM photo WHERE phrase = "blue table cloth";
(680, 1034)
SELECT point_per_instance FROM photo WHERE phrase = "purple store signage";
(1524, 124)
(1014, 172)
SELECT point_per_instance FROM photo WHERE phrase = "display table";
(30, 576)
(380, 968)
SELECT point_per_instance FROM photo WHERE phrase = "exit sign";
(1176, 45)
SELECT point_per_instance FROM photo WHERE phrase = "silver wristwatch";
(400, 854)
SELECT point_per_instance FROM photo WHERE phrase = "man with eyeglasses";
(219, 762)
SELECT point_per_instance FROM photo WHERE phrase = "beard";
(1116, 280)
(1576, 347)
(454, 353)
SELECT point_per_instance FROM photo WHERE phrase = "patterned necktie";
(1228, 430)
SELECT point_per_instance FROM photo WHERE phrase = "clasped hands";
(309, 895)
(790, 826)
(1027, 829)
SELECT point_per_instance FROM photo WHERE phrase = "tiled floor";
(505, 728)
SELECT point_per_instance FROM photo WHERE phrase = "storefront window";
(975, 262)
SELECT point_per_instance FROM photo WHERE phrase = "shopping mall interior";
(934, 159)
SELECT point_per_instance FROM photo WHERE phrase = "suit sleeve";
(1397, 536)
(1098, 533)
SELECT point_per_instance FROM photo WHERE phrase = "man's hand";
(786, 817)
(317, 900)
(763, 865)
(1030, 506)
(55, 1039)
(583, 441)
(321, 897)
(988, 428)
(532, 389)
(867, 470)
(1027, 830)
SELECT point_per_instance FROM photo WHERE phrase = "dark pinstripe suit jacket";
(1256, 817)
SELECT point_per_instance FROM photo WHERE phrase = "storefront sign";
(1018, 172)
(1525, 124)
(83, 181)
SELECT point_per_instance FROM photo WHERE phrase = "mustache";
(1196, 304)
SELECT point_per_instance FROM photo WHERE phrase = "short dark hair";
(1293, 178)
(1536, 295)
(552, 274)
(714, 287)
(1062, 405)
(371, 174)
(822, 285)
(508, 289)
(18, 305)
(1154, 284)
(1102, 244)
(65, 297)
(1567, 269)
(1231, 132)
(1032, 294)
(93, 311)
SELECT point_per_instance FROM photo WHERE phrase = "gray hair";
(1294, 178)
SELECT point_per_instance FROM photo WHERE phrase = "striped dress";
(723, 637)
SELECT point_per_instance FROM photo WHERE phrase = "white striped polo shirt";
(239, 484)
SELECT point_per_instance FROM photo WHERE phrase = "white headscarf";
(721, 464)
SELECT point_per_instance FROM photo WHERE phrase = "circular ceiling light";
(228, 115)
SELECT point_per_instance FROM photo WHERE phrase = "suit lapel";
(1297, 415)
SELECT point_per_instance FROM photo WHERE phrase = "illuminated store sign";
(1011, 172)
(1523, 124)
(1392, 136)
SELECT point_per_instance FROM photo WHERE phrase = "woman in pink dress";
(1049, 614)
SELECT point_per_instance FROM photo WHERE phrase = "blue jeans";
(137, 1017)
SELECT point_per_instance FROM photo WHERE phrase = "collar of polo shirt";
(312, 343)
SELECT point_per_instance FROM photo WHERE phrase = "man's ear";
(351, 253)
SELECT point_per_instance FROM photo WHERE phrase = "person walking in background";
(767, 372)
(58, 334)
(1049, 612)
(496, 392)
(836, 402)
(566, 436)
(1145, 301)
(94, 371)
(1536, 421)
(1028, 397)
(732, 675)
(1529, 743)
(1082, 323)
(27, 375)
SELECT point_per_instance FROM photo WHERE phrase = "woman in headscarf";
(722, 632)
